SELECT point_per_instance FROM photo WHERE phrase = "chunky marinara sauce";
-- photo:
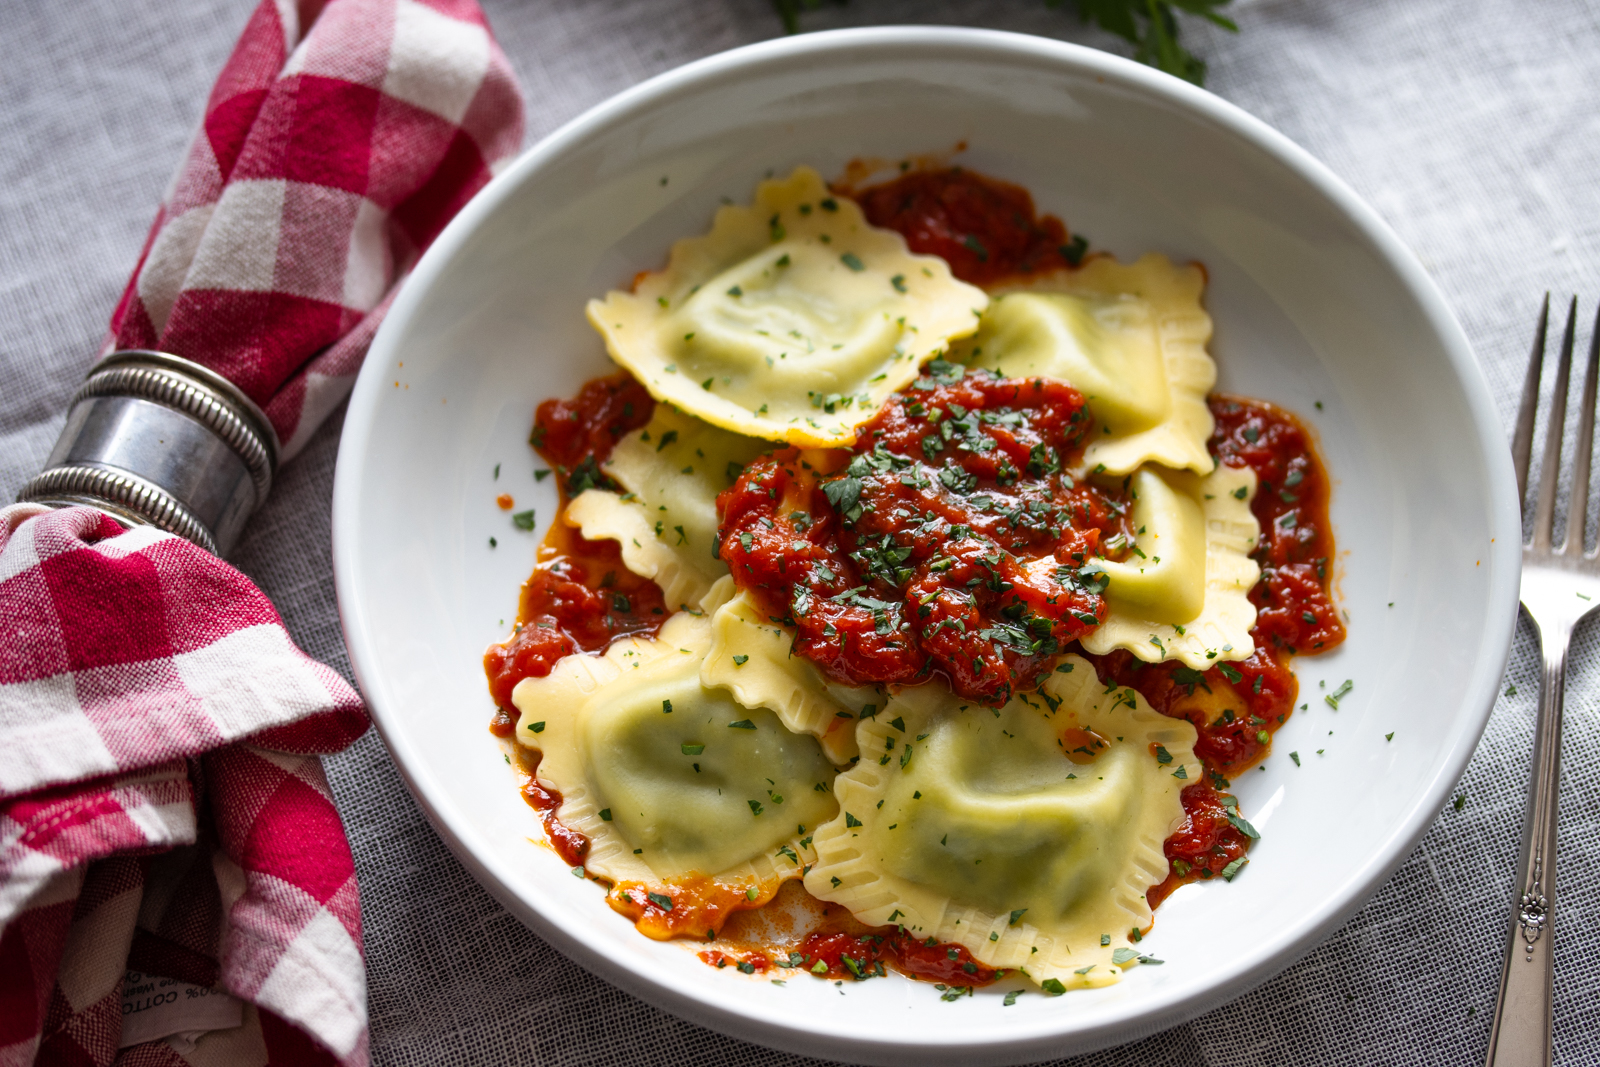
(949, 539)
(1294, 607)
(987, 230)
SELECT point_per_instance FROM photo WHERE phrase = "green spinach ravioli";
(793, 319)
(667, 779)
(975, 826)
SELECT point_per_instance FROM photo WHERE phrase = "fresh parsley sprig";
(1151, 26)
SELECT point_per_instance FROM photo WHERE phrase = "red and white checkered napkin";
(163, 811)
(332, 152)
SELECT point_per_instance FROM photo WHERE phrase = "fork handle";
(1521, 1034)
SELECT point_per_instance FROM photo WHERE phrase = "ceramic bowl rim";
(702, 1004)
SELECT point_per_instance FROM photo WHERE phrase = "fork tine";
(1550, 470)
(1578, 510)
(1522, 440)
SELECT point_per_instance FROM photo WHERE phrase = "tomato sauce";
(581, 596)
(1294, 607)
(987, 230)
(799, 933)
(949, 539)
(1209, 845)
(862, 956)
(576, 436)
(837, 955)
(570, 845)
(690, 907)
(749, 963)
(1235, 707)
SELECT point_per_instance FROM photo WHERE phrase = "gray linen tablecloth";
(1473, 126)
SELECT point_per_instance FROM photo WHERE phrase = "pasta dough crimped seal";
(1028, 834)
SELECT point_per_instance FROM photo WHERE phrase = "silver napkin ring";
(154, 438)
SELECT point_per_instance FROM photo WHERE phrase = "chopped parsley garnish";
(1241, 824)
(742, 724)
(523, 520)
(1339, 694)
(1189, 678)
(660, 900)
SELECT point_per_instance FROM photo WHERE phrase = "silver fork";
(1560, 585)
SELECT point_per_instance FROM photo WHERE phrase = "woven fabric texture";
(338, 139)
(132, 666)
(336, 143)
(1473, 126)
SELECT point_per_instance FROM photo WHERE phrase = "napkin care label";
(154, 1007)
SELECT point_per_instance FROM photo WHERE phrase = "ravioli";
(666, 524)
(1194, 554)
(752, 657)
(1131, 338)
(671, 781)
(793, 319)
(976, 826)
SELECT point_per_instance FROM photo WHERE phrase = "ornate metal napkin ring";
(154, 438)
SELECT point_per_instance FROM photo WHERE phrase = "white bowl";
(1317, 307)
